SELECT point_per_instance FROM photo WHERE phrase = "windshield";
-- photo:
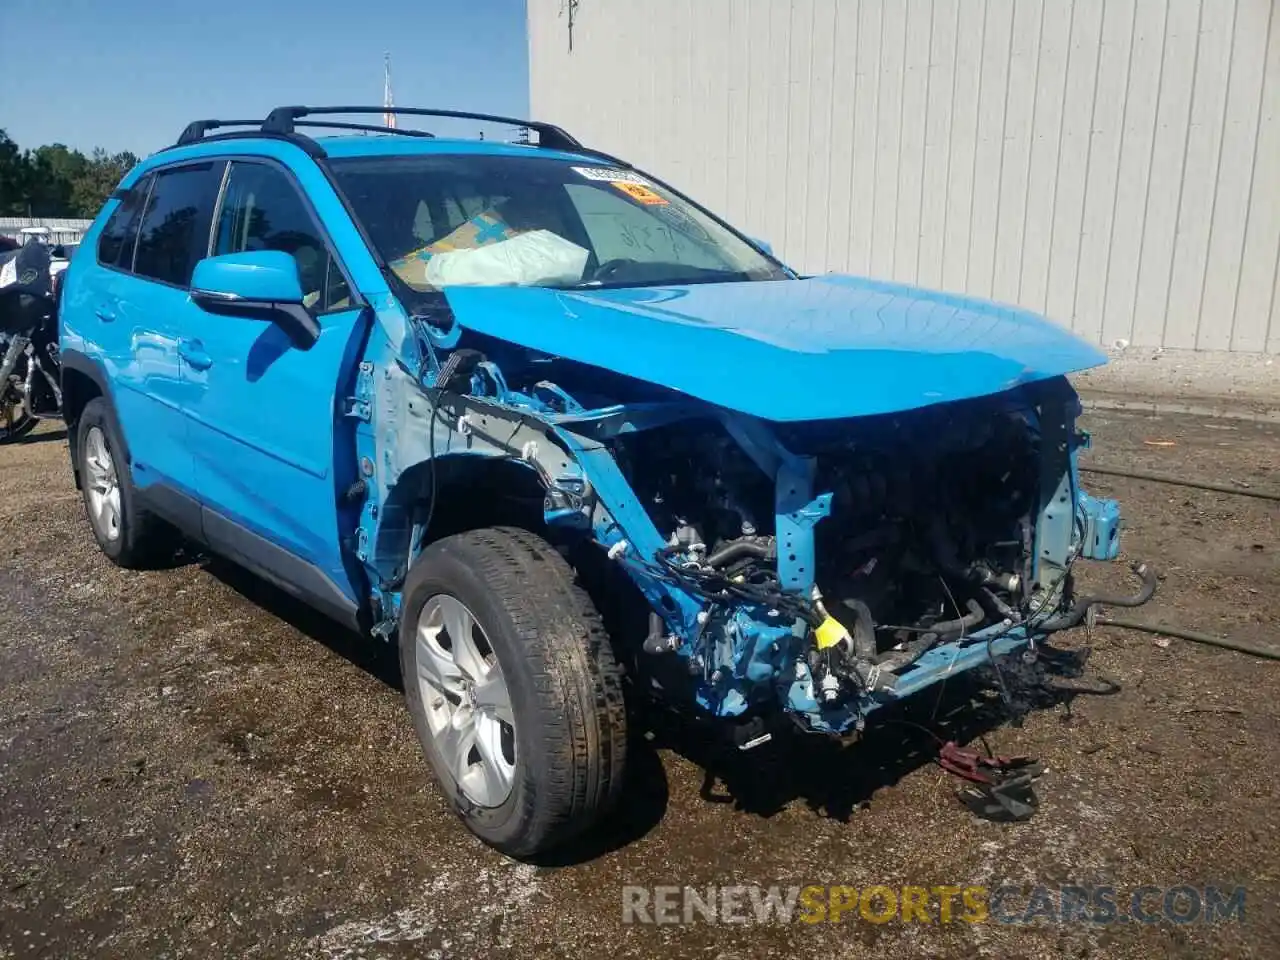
(479, 220)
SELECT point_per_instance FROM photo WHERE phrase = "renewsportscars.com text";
(942, 904)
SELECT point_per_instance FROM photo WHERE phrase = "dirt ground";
(190, 765)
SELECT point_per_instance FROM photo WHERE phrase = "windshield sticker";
(682, 221)
(641, 194)
(610, 175)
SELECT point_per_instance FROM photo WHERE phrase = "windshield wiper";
(670, 280)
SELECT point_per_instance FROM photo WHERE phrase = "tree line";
(55, 181)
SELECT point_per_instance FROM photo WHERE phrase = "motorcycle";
(29, 367)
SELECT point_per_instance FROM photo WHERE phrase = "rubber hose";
(915, 649)
(864, 630)
(1179, 482)
(1241, 646)
(739, 549)
(1076, 614)
(971, 619)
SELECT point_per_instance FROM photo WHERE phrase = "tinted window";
(262, 210)
(115, 245)
(175, 229)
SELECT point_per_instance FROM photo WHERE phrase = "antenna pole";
(388, 118)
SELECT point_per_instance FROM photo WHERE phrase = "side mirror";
(262, 284)
(764, 245)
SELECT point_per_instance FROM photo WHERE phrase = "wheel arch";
(83, 379)
(471, 491)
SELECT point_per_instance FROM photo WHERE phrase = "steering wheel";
(610, 268)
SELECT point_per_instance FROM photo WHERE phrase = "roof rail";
(191, 135)
(282, 120)
(366, 127)
(196, 129)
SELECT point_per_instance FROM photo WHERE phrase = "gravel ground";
(1187, 381)
(191, 765)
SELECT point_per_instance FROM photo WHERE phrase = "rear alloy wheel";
(513, 688)
(127, 534)
(101, 486)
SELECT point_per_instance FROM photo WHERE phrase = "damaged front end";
(840, 565)
(821, 567)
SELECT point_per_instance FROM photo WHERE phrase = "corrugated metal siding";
(1114, 163)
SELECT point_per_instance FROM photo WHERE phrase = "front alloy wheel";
(467, 703)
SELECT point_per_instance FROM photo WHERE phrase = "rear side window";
(175, 228)
(262, 210)
(115, 245)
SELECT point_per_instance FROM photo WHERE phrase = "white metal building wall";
(1113, 163)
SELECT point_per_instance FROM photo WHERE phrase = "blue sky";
(129, 74)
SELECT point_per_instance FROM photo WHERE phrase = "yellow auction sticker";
(640, 193)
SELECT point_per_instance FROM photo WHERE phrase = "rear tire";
(129, 535)
(546, 764)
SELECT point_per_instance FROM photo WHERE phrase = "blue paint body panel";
(321, 452)
(815, 349)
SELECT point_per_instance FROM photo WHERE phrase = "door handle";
(192, 352)
(105, 314)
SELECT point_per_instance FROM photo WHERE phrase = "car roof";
(379, 145)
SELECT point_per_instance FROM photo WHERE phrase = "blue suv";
(569, 440)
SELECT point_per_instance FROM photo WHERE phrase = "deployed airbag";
(536, 258)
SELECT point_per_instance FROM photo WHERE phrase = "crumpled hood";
(821, 348)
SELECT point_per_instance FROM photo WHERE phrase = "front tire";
(127, 534)
(513, 688)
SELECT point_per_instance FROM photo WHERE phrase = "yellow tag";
(640, 193)
(830, 633)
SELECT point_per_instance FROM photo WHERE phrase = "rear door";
(265, 414)
(138, 306)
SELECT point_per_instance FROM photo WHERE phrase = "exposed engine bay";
(933, 537)
(930, 537)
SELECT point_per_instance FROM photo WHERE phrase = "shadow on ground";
(833, 779)
(377, 660)
(31, 439)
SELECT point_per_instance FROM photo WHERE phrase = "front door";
(266, 417)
